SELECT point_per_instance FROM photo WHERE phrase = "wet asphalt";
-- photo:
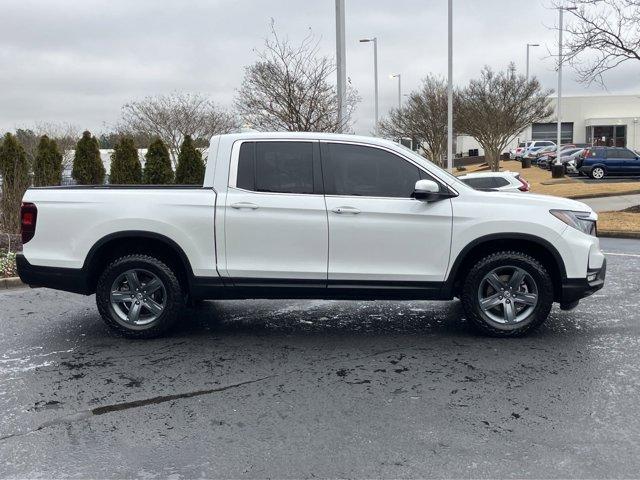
(299, 389)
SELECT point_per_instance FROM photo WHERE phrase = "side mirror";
(426, 190)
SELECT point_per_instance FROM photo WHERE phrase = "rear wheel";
(597, 173)
(507, 294)
(139, 296)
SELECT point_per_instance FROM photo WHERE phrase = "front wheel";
(139, 296)
(507, 294)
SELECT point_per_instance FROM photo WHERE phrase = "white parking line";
(622, 254)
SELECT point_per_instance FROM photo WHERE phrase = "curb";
(618, 234)
(604, 195)
(11, 283)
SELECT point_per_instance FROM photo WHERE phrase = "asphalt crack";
(118, 407)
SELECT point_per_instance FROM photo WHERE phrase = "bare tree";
(171, 117)
(423, 118)
(496, 107)
(605, 34)
(291, 88)
(66, 136)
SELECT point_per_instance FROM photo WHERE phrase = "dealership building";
(610, 120)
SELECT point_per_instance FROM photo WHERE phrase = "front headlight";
(579, 220)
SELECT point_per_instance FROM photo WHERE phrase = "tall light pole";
(341, 64)
(561, 10)
(528, 46)
(399, 77)
(375, 74)
(450, 92)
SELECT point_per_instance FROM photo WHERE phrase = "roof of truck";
(307, 136)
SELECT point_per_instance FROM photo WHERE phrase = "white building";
(610, 120)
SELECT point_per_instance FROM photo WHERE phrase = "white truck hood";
(546, 201)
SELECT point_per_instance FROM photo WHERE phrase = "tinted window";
(500, 182)
(246, 177)
(367, 171)
(480, 182)
(622, 153)
(282, 167)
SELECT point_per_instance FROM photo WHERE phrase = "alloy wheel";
(138, 297)
(508, 295)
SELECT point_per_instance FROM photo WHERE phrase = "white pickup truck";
(322, 216)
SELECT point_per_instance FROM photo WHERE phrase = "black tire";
(598, 177)
(472, 284)
(172, 293)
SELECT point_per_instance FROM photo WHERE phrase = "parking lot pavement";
(607, 179)
(607, 204)
(320, 388)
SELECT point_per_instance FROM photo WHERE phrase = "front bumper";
(68, 279)
(573, 289)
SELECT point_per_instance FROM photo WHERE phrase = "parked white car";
(502, 181)
(516, 153)
(536, 146)
(311, 215)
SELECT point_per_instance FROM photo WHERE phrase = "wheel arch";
(136, 241)
(539, 248)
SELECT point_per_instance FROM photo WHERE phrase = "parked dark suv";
(600, 161)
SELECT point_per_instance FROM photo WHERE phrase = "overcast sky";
(79, 61)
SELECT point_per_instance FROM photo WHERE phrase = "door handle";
(239, 205)
(351, 210)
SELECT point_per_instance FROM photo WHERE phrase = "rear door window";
(277, 167)
(500, 182)
(480, 182)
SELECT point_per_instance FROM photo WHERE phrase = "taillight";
(524, 185)
(28, 218)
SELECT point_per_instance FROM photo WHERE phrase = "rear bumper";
(573, 289)
(67, 279)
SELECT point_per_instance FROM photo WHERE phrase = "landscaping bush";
(157, 168)
(87, 165)
(47, 165)
(190, 169)
(125, 165)
(14, 169)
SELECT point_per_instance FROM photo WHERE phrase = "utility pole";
(530, 45)
(399, 77)
(341, 64)
(375, 75)
(450, 93)
(561, 10)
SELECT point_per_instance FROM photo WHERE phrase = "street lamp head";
(365, 40)
(394, 75)
(570, 8)
(533, 44)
